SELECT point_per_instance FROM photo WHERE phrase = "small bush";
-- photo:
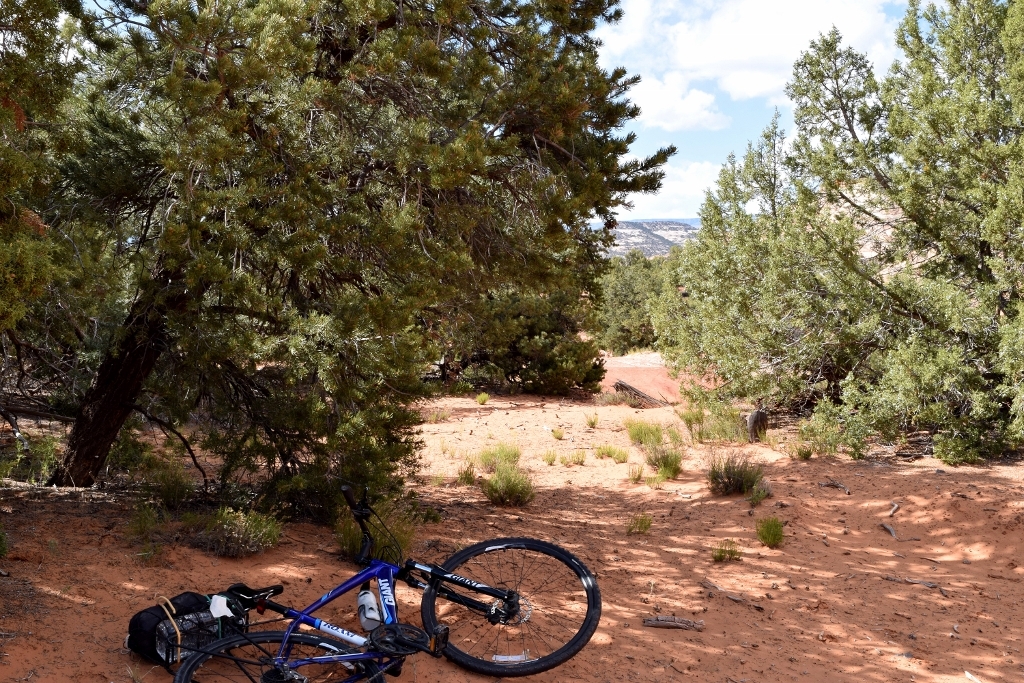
(761, 491)
(483, 397)
(236, 534)
(579, 457)
(636, 473)
(726, 551)
(503, 453)
(657, 482)
(693, 417)
(830, 427)
(709, 419)
(802, 450)
(398, 516)
(615, 398)
(667, 461)
(645, 434)
(769, 531)
(171, 484)
(439, 415)
(733, 473)
(592, 420)
(460, 388)
(676, 437)
(954, 451)
(129, 453)
(550, 457)
(558, 433)
(467, 475)
(619, 455)
(510, 486)
(639, 523)
(143, 523)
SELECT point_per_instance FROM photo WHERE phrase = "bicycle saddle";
(247, 597)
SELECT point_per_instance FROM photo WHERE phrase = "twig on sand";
(890, 530)
(834, 484)
(895, 507)
(674, 622)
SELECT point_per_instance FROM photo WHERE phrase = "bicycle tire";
(213, 666)
(518, 562)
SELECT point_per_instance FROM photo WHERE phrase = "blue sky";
(714, 71)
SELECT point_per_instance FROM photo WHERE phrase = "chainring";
(399, 640)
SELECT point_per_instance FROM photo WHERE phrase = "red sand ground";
(831, 604)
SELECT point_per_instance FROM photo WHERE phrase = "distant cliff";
(653, 238)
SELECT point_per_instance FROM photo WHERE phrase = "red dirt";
(813, 610)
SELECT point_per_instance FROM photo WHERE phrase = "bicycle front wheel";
(246, 658)
(559, 607)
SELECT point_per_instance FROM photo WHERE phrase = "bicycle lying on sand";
(505, 607)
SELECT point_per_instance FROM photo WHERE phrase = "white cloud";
(745, 48)
(681, 195)
(668, 104)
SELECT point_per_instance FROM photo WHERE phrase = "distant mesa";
(653, 238)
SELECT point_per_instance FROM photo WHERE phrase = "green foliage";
(483, 397)
(708, 418)
(592, 420)
(33, 465)
(616, 398)
(171, 484)
(502, 454)
(655, 482)
(760, 492)
(467, 475)
(646, 434)
(510, 486)
(397, 515)
(732, 473)
(635, 474)
(233, 533)
(630, 286)
(829, 428)
(266, 234)
(3, 542)
(769, 531)
(639, 523)
(129, 453)
(144, 521)
(667, 461)
(726, 551)
(549, 457)
(440, 415)
(619, 455)
(558, 434)
(578, 457)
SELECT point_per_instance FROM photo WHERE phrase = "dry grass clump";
(616, 398)
(592, 420)
(232, 533)
(726, 551)
(509, 487)
(438, 415)
(467, 475)
(558, 433)
(769, 531)
(578, 457)
(483, 397)
(549, 457)
(619, 455)
(667, 461)
(639, 523)
(636, 474)
(646, 434)
(732, 473)
(503, 453)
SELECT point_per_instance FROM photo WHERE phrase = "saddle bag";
(172, 630)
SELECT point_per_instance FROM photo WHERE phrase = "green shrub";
(645, 434)
(460, 388)
(956, 451)
(655, 482)
(34, 465)
(761, 491)
(615, 398)
(619, 455)
(398, 516)
(769, 531)
(639, 523)
(733, 473)
(550, 457)
(726, 551)
(667, 461)
(676, 437)
(231, 533)
(503, 453)
(802, 451)
(173, 487)
(129, 453)
(467, 475)
(510, 486)
(578, 457)
(143, 523)
(483, 397)
(3, 542)
(636, 473)
(558, 434)
(439, 415)
(592, 420)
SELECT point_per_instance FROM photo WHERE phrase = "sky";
(713, 73)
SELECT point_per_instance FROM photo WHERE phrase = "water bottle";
(369, 611)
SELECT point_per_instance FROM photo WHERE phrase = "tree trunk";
(118, 383)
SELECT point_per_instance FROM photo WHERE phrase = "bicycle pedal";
(439, 640)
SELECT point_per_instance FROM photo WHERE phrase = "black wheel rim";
(553, 607)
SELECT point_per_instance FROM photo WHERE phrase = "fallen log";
(674, 622)
(644, 400)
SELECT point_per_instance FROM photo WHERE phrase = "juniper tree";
(271, 200)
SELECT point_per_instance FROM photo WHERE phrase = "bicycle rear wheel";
(246, 658)
(560, 606)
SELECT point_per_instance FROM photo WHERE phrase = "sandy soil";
(832, 603)
(645, 371)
